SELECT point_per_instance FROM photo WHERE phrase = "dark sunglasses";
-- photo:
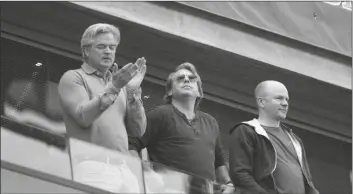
(191, 78)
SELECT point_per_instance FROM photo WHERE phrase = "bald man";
(265, 156)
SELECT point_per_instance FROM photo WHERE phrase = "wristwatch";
(230, 183)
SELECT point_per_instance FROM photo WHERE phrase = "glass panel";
(29, 93)
(163, 179)
(105, 169)
(217, 188)
(30, 136)
(28, 184)
(34, 154)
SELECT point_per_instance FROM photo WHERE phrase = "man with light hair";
(265, 156)
(180, 136)
(101, 103)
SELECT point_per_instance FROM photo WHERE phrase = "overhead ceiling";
(312, 22)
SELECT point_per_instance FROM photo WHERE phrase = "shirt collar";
(91, 70)
(183, 115)
(88, 69)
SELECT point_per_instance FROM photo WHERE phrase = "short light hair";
(168, 88)
(93, 31)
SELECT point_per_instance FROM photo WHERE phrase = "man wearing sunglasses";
(180, 136)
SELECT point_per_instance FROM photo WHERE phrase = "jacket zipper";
(274, 182)
(302, 166)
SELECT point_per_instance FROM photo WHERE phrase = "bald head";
(272, 100)
(267, 87)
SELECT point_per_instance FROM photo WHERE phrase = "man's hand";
(122, 76)
(227, 189)
(136, 81)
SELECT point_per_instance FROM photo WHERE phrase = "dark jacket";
(252, 159)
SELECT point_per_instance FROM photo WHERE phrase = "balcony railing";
(80, 162)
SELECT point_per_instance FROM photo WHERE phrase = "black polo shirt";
(173, 141)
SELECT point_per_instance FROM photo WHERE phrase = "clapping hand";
(131, 75)
(122, 76)
(136, 81)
